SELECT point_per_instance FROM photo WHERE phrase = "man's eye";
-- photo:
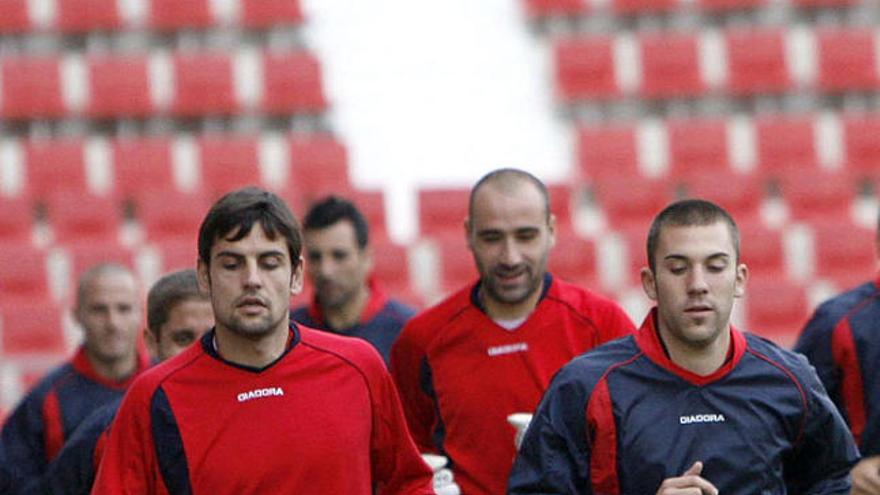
(677, 270)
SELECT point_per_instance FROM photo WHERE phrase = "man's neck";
(254, 352)
(498, 310)
(349, 314)
(114, 371)
(700, 360)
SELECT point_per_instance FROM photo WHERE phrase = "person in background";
(258, 404)
(491, 349)
(688, 404)
(339, 259)
(108, 308)
(842, 341)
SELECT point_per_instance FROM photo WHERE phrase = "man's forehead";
(340, 234)
(715, 238)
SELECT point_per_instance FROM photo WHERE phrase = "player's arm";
(22, 441)
(555, 453)
(413, 377)
(815, 342)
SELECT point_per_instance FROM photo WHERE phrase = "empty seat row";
(538, 9)
(179, 84)
(83, 16)
(740, 61)
(764, 143)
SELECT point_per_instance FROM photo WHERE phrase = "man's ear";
(742, 276)
(649, 283)
(296, 277)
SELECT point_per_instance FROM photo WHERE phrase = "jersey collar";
(648, 340)
(83, 365)
(207, 343)
(377, 300)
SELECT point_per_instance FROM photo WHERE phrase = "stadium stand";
(31, 87)
(74, 216)
(119, 86)
(32, 330)
(85, 16)
(756, 61)
(847, 59)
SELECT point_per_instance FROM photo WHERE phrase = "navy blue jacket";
(842, 340)
(622, 418)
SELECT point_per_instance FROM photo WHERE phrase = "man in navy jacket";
(688, 404)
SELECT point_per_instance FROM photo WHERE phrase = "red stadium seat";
(761, 249)
(261, 14)
(170, 214)
(632, 202)
(562, 199)
(723, 6)
(860, 133)
(847, 59)
(740, 194)
(54, 165)
(823, 3)
(585, 68)
(756, 61)
(14, 17)
(639, 7)
(670, 65)
(785, 143)
(84, 255)
(31, 329)
(443, 211)
(178, 253)
(776, 308)
(119, 86)
(25, 275)
(372, 206)
(204, 85)
(698, 146)
(292, 83)
(16, 221)
(173, 15)
(457, 266)
(228, 162)
(608, 151)
(83, 217)
(391, 270)
(574, 259)
(142, 163)
(318, 167)
(537, 9)
(813, 194)
(31, 87)
(85, 16)
(844, 253)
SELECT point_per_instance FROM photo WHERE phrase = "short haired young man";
(347, 301)
(688, 404)
(178, 313)
(108, 308)
(490, 350)
(260, 405)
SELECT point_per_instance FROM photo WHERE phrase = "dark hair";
(686, 213)
(508, 178)
(333, 209)
(167, 292)
(233, 216)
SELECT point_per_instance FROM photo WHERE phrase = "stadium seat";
(119, 86)
(25, 274)
(292, 83)
(34, 329)
(371, 204)
(457, 266)
(862, 147)
(31, 87)
(539, 9)
(142, 163)
(785, 143)
(844, 253)
(84, 255)
(170, 214)
(670, 65)
(443, 211)
(574, 259)
(698, 146)
(14, 18)
(631, 202)
(203, 85)
(262, 14)
(756, 61)
(643, 7)
(585, 68)
(318, 166)
(55, 165)
(607, 151)
(823, 3)
(761, 249)
(178, 253)
(228, 162)
(85, 16)
(777, 308)
(173, 15)
(562, 203)
(391, 270)
(17, 220)
(725, 6)
(83, 217)
(813, 194)
(740, 194)
(847, 59)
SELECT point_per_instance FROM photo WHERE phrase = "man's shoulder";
(443, 312)
(398, 310)
(787, 360)
(55, 377)
(588, 368)
(836, 308)
(357, 353)
(145, 384)
(580, 298)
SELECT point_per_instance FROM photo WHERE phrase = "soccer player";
(688, 404)
(841, 340)
(260, 405)
(178, 314)
(108, 307)
(490, 350)
(338, 260)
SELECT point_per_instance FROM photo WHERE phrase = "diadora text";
(260, 393)
(701, 418)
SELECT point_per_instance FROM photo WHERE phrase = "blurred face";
(110, 315)
(187, 321)
(336, 265)
(510, 238)
(696, 281)
(250, 282)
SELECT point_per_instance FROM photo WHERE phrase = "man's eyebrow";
(675, 257)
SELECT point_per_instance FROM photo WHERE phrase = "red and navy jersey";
(841, 340)
(323, 418)
(460, 374)
(35, 432)
(380, 323)
(624, 417)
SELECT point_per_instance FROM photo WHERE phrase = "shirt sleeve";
(72, 472)
(412, 375)
(815, 342)
(23, 440)
(554, 457)
(397, 466)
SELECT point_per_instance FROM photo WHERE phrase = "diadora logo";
(499, 350)
(260, 393)
(701, 418)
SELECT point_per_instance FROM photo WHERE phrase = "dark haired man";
(260, 405)
(688, 404)
(490, 350)
(339, 259)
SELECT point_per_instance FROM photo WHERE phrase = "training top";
(35, 432)
(624, 417)
(323, 418)
(380, 323)
(460, 374)
(842, 340)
